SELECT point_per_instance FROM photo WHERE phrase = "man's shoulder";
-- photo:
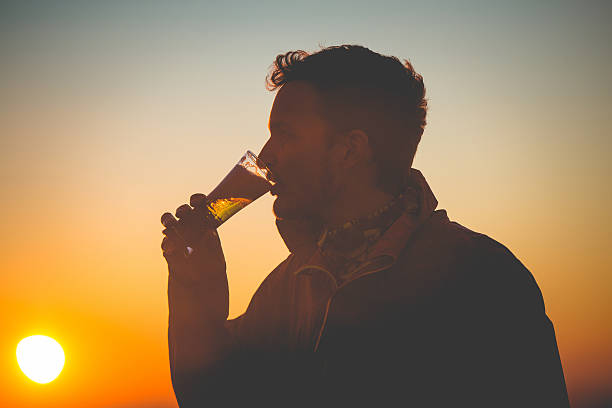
(439, 238)
(445, 238)
(445, 252)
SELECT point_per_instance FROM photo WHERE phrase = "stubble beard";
(312, 208)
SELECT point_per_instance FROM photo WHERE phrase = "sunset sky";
(112, 113)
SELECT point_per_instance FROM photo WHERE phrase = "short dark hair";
(364, 90)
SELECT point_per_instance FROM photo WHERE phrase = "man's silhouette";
(383, 300)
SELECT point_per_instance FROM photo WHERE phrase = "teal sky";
(499, 74)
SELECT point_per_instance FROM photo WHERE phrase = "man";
(383, 300)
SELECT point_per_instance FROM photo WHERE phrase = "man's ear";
(356, 148)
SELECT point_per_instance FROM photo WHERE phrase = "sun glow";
(40, 358)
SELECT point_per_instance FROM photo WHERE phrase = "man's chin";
(284, 209)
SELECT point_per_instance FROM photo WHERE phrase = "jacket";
(438, 315)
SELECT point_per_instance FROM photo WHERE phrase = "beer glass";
(245, 183)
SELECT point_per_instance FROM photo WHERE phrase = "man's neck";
(354, 206)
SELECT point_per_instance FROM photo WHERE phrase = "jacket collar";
(302, 235)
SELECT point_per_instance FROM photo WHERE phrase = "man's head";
(344, 119)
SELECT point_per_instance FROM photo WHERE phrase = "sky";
(112, 113)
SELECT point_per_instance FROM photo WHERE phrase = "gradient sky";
(115, 112)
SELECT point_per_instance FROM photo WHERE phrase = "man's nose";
(265, 158)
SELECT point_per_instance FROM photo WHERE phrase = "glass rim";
(249, 155)
(255, 160)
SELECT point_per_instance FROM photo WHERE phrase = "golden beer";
(222, 209)
(245, 183)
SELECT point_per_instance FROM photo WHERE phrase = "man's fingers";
(168, 220)
(172, 233)
(191, 222)
(198, 200)
(175, 235)
(173, 246)
(183, 211)
(168, 245)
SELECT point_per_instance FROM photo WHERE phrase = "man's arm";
(214, 360)
(200, 338)
(198, 302)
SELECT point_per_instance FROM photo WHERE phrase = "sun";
(40, 358)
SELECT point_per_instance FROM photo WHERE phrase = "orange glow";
(113, 114)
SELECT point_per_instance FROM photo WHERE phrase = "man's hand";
(198, 301)
(194, 229)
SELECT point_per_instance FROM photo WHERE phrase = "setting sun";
(40, 358)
